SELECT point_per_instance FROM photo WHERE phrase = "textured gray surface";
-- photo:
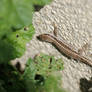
(74, 22)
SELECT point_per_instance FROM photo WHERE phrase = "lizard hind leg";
(83, 49)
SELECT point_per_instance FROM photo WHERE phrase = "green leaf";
(13, 44)
(41, 2)
(30, 81)
(17, 13)
(52, 84)
(14, 15)
(41, 74)
(30, 70)
(46, 64)
(29, 76)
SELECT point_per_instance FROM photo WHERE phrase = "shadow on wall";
(10, 79)
(86, 85)
(13, 81)
(38, 7)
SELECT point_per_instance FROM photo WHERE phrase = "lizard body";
(64, 48)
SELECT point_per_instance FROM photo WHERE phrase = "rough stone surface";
(74, 25)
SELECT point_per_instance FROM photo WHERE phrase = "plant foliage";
(16, 30)
(14, 16)
(37, 77)
(13, 45)
(43, 73)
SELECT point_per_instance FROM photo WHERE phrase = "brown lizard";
(64, 48)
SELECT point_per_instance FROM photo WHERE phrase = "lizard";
(64, 48)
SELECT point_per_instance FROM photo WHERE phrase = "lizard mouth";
(39, 37)
(42, 37)
(45, 37)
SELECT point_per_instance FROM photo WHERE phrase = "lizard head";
(45, 37)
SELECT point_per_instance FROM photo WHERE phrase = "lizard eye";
(39, 37)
